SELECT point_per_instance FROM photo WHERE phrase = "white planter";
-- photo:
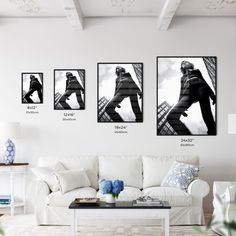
(110, 198)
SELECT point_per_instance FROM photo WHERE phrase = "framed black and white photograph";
(32, 88)
(69, 89)
(120, 92)
(186, 95)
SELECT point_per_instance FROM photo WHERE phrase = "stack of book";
(87, 201)
(5, 199)
(147, 201)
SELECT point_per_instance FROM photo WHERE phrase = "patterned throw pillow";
(180, 175)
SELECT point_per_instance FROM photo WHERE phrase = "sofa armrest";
(42, 191)
(199, 188)
(219, 190)
(230, 212)
(230, 194)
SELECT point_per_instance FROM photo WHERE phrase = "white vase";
(110, 198)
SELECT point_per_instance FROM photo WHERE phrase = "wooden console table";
(12, 170)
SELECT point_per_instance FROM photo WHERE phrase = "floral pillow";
(180, 175)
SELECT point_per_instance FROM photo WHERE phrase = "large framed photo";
(120, 92)
(69, 89)
(32, 88)
(186, 95)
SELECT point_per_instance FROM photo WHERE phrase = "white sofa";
(142, 176)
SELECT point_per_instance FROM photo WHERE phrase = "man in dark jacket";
(34, 86)
(72, 86)
(193, 89)
(125, 87)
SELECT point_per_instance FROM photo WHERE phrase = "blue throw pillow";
(180, 175)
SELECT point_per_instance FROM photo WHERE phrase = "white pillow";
(126, 168)
(72, 179)
(88, 163)
(46, 174)
(155, 168)
(82, 162)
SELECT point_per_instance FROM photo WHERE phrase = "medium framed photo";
(120, 92)
(186, 95)
(69, 89)
(31, 88)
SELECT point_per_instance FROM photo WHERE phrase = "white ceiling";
(104, 8)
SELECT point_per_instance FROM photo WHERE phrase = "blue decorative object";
(111, 187)
(9, 152)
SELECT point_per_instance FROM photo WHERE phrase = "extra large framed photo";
(186, 95)
(31, 88)
(120, 92)
(69, 89)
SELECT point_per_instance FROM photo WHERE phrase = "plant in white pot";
(111, 189)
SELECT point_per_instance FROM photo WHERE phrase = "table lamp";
(232, 123)
(9, 130)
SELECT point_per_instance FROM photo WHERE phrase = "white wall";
(28, 45)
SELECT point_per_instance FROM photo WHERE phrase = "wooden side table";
(13, 170)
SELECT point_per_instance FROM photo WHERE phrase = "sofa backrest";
(136, 171)
(88, 163)
(126, 168)
(156, 167)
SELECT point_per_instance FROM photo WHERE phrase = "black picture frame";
(163, 127)
(135, 69)
(30, 89)
(60, 83)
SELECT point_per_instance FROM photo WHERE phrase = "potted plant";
(111, 189)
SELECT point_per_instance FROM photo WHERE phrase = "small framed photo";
(186, 95)
(69, 89)
(120, 92)
(32, 88)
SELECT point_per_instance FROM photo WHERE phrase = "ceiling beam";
(74, 13)
(168, 11)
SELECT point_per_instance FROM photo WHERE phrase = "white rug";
(24, 225)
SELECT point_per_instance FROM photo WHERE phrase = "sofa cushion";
(128, 194)
(46, 174)
(72, 179)
(88, 163)
(63, 200)
(126, 168)
(180, 175)
(156, 167)
(175, 196)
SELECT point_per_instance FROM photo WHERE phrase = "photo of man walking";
(186, 96)
(120, 92)
(32, 88)
(69, 90)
